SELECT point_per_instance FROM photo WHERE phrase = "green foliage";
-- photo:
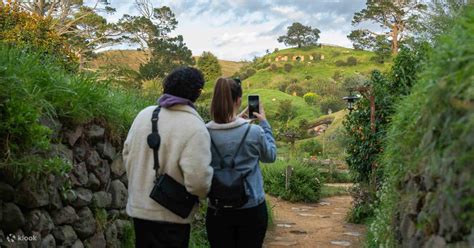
(351, 61)
(396, 18)
(34, 87)
(209, 65)
(311, 98)
(331, 103)
(330, 191)
(32, 32)
(285, 111)
(363, 144)
(300, 35)
(312, 146)
(287, 67)
(295, 90)
(101, 219)
(382, 49)
(439, 117)
(198, 237)
(167, 54)
(128, 238)
(362, 205)
(305, 185)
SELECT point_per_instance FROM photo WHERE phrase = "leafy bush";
(351, 61)
(273, 67)
(311, 98)
(286, 110)
(312, 146)
(305, 185)
(316, 56)
(287, 67)
(437, 153)
(25, 30)
(295, 89)
(209, 65)
(331, 103)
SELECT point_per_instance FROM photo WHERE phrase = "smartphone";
(254, 105)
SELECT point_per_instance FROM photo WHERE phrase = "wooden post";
(288, 172)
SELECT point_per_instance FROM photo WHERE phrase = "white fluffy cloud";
(241, 29)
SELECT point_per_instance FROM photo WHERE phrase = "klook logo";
(11, 238)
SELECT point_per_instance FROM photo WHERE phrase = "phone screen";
(253, 105)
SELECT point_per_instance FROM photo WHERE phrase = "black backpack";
(228, 189)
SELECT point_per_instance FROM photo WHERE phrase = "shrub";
(295, 89)
(209, 65)
(351, 61)
(286, 110)
(336, 54)
(312, 146)
(273, 67)
(340, 63)
(311, 98)
(283, 85)
(436, 157)
(287, 67)
(331, 103)
(30, 31)
(305, 185)
(263, 65)
(337, 76)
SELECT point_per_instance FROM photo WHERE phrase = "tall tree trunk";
(394, 34)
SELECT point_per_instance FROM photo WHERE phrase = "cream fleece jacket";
(184, 154)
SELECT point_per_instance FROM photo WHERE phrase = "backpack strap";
(240, 145)
(235, 154)
(154, 139)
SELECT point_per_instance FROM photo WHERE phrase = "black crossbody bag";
(168, 192)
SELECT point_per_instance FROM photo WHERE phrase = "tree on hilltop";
(300, 35)
(397, 18)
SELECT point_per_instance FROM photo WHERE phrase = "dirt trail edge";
(313, 225)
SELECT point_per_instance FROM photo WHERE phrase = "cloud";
(241, 29)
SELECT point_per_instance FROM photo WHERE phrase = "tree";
(396, 17)
(167, 54)
(84, 27)
(300, 35)
(209, 65)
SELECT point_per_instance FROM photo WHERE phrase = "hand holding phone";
(254, 105)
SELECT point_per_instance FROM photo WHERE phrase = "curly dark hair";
(185, 82)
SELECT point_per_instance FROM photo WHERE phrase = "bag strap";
(236, 152)
(154, 131)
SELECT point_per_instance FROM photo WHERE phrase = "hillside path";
(314, 225)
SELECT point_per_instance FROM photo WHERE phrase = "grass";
(36, 87)
(329, 191)
(304, 182)
(317, 70)
(271, 98)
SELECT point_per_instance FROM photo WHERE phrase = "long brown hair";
(226, 93)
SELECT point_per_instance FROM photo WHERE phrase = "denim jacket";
(259, 145)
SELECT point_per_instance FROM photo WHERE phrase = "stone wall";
(85, 208)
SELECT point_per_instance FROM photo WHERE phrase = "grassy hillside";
(309, 71)
(271, 99)
(133, 59)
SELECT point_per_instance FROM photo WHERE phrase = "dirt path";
(316, 225)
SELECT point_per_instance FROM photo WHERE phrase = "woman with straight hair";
(244, 226)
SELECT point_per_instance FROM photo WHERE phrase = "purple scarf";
(167, 100)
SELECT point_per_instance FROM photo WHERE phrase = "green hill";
(272, 98)
(307, 71)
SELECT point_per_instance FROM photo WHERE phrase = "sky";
(241, 29)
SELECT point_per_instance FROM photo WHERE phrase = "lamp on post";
(350, 101)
